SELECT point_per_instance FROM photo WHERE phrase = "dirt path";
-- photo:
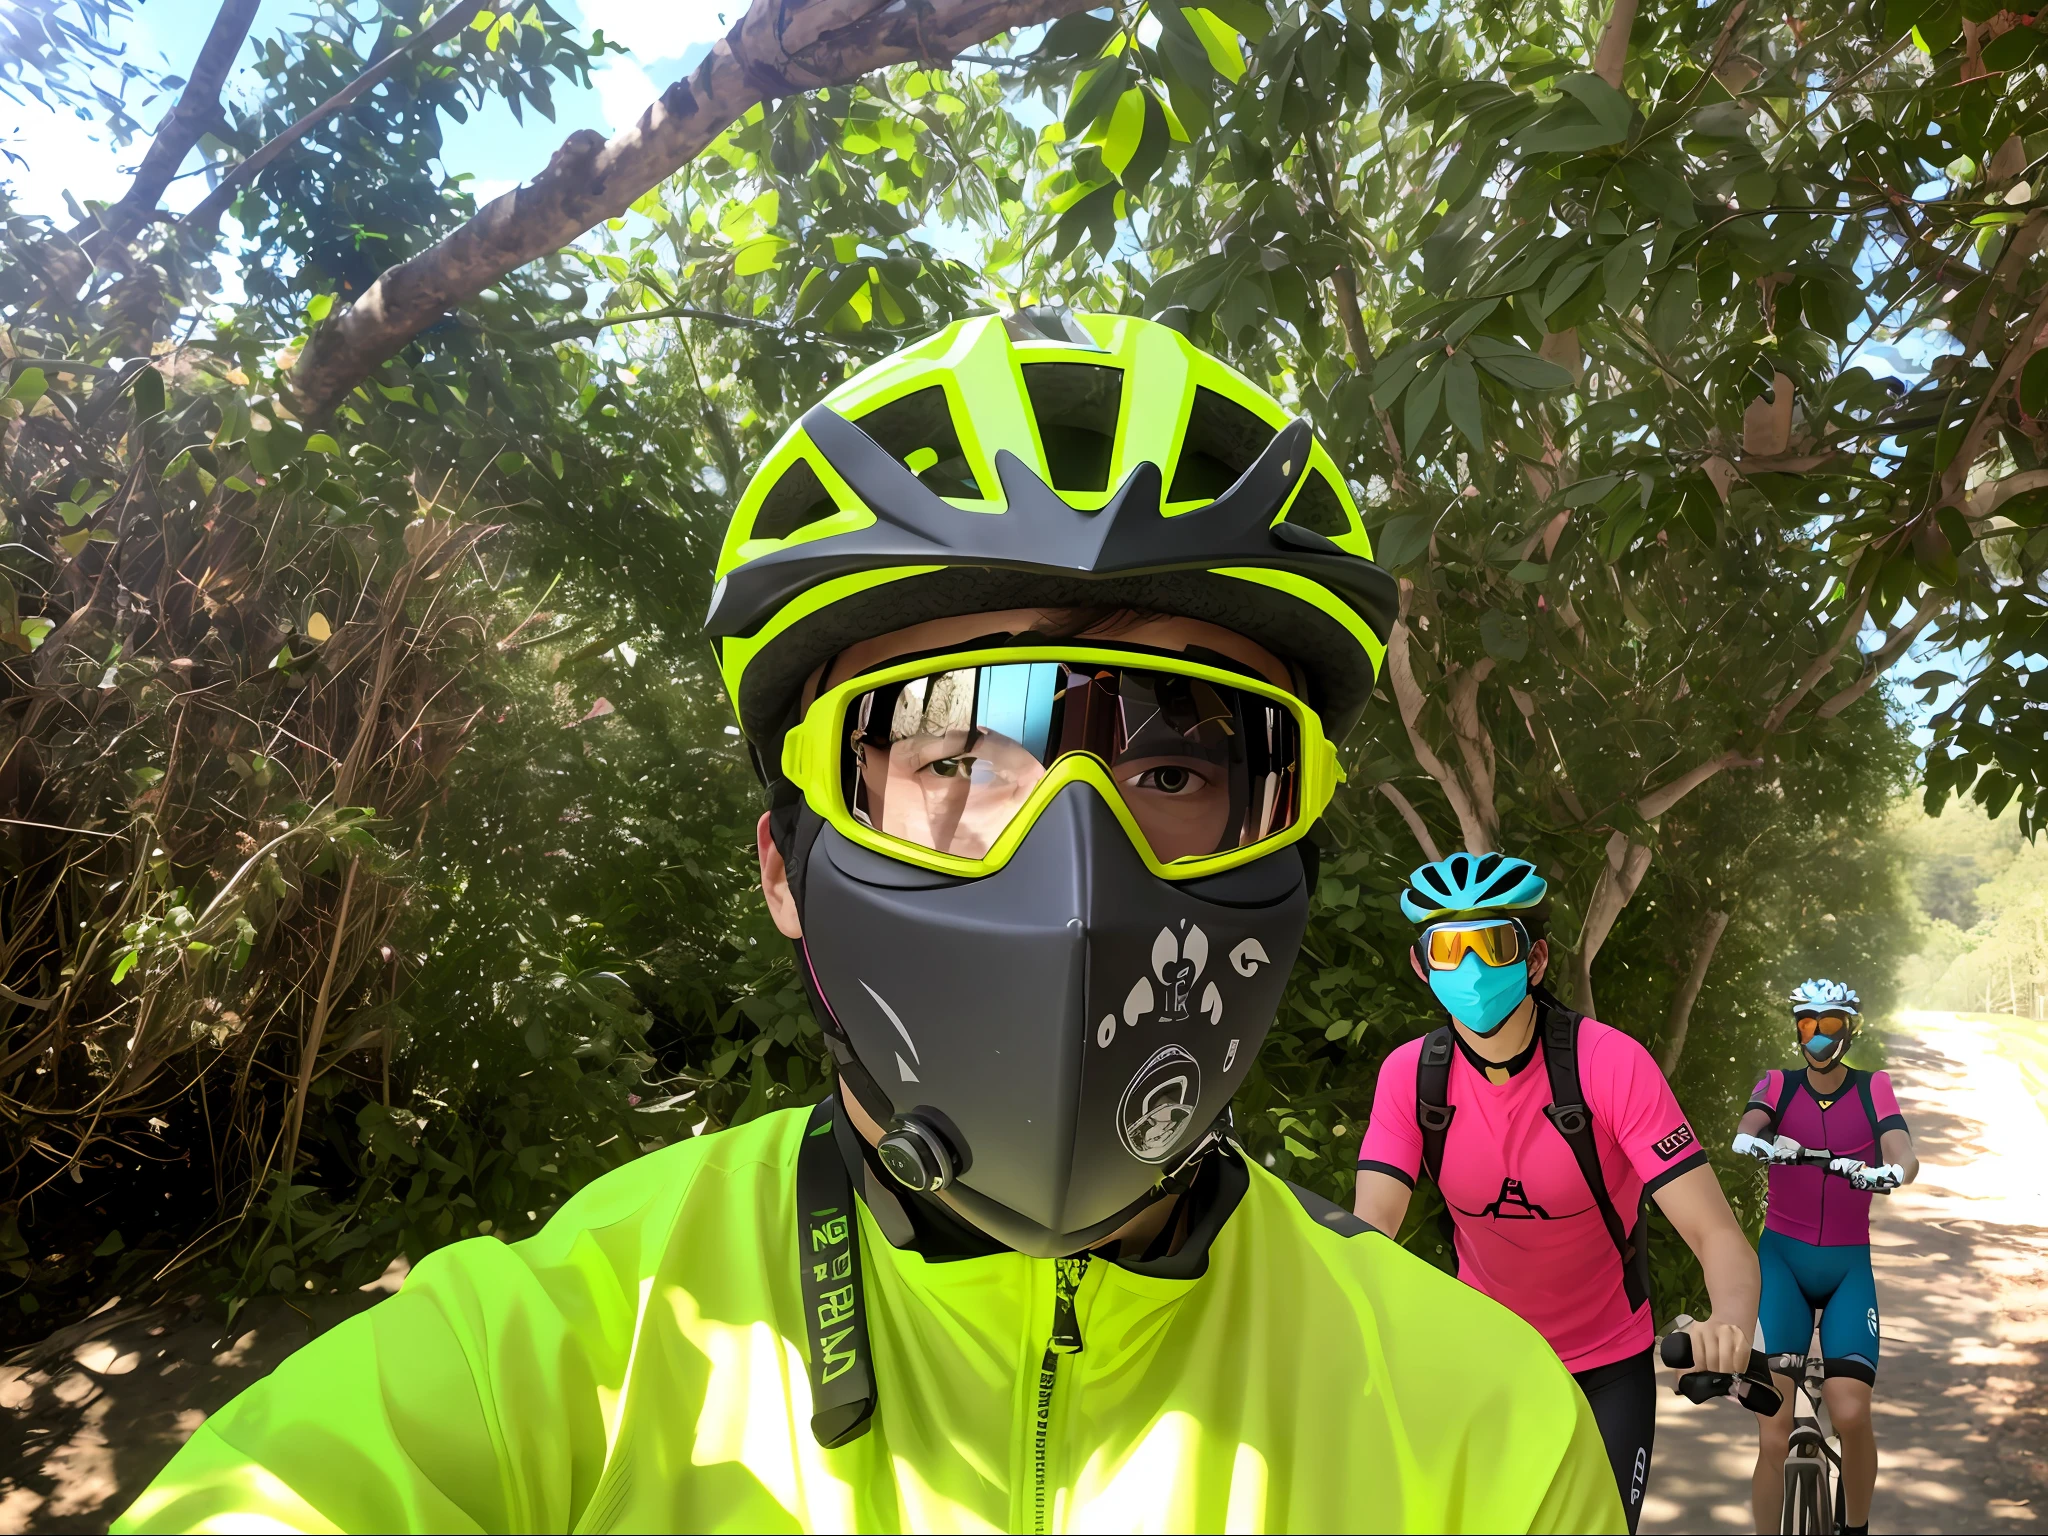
(1962, 1279)
(91, 1414)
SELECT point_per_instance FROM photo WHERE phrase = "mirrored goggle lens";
(1830, 1025)
(946, 761)
(1495, 944)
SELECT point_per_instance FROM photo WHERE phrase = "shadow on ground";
(93, 1412)
(1962, 1278)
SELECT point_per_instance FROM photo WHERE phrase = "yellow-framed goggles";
(946, 762)
(1497, 942)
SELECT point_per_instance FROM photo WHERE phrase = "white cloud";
(661, 29)
(623, 91)
(63, 154)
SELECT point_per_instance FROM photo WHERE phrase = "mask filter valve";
(916, 1155)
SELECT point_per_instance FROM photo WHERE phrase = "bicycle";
(1814, 1503)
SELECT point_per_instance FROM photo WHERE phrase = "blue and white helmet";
(1487, 882)
(1824, 996)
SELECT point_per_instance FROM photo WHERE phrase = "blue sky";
(65, 153)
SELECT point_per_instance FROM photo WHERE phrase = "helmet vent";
(795, 501)
(1077, 406)
(917, 431)
(1222, 442)
(1317, 506)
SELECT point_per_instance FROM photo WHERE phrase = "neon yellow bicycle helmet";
(1045, 461)
(1044, 959)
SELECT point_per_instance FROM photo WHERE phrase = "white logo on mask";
(1178, 961)
(1248, 957)
(1158, 1105)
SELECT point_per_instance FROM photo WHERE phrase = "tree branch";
(569, 329)
(1413, 817)
(778, 48)
(1665, 796)
(1689, 990)
(1620, 874)
(1408, 700)
(196, 111)
(1878, 661)
(1610, 57)
(452, 22)
(1816, 670)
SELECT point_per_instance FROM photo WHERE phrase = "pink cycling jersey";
(1528, 1231)
(1811, 1204)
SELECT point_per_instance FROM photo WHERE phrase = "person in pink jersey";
(1815, 1247)
(1546, 1132)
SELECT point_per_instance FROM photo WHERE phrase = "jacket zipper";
(1066, 1340)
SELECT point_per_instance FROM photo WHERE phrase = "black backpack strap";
(1433, 1112)
(1328, 1213)
(1788, 1084)
(1862, 1081)
(828, 1264)
(1574, 1121)
(1433, 1107)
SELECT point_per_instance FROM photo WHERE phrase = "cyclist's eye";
(1170, 779)
(953, 767)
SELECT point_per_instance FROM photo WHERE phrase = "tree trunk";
(1689, 992)
(778, 48)
(1620, 874)
(197, 109)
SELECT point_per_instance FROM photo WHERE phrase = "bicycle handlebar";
(1754, 1388)
(1815, 1157)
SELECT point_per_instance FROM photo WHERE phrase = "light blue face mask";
(1481, 996)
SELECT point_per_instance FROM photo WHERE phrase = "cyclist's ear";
(1539, 959)
(1415, 965)
(775, 882)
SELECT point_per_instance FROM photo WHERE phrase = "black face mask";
(1046, 1044)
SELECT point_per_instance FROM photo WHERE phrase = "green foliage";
(382, 755)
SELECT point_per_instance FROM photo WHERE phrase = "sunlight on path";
(1962, 1278)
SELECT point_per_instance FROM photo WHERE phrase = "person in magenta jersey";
(1815, 1247)
(1546, 1132)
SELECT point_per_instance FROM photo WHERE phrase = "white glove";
(1847, 1167)
(1785, 1150)
(1881, 1179)
(1752, 1146)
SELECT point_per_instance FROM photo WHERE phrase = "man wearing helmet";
(1041, 635)
(1815, 1247)
(1544, 1167)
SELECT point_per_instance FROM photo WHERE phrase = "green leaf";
(2034, 384)
(320, 442)
(112, 1243)
(1505, 635)
(1610, 108)
(319, 307)
(1587, 490)
(1625, 268)
(29, 385)
(123, 966)
(1420, 413)
(1525, 370)
(1078, 36)
(1402, 540)
(1100, 85)
(1461, 400)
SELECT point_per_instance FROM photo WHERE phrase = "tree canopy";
(378, 845)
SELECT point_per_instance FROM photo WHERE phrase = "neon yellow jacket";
(639, 1366)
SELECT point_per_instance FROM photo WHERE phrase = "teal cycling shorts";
(1801, 1279)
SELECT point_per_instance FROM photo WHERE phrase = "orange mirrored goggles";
(1496, 944)
(1830, 1026)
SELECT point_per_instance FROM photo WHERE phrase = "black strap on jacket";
(1574, 1121)
(828, 1263)
(1558, 1030)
